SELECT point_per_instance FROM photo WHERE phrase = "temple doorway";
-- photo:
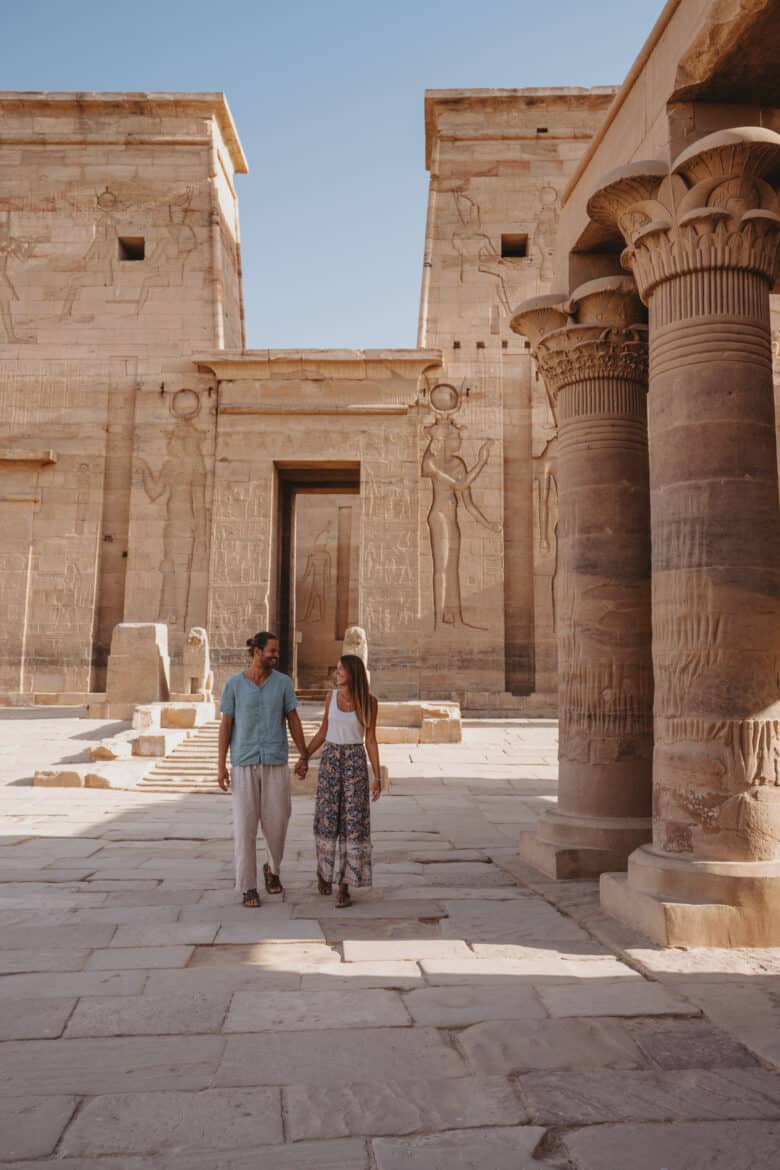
(319, 567)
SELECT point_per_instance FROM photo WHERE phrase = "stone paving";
(464, 1013)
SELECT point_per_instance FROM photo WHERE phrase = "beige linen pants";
(261, 795)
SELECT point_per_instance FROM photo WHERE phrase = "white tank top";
(343, 726)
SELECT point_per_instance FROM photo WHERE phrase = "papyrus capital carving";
(716, 209)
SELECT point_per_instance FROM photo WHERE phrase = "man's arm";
(225, 728)
(296, 731)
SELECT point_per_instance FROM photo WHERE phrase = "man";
(255, 704)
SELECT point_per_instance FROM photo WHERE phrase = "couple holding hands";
(255, 705)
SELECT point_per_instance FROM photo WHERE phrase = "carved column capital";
(714, 210)
(598, 333)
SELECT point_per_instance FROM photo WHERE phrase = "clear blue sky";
(328, 99)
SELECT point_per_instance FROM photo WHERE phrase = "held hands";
(302, 767)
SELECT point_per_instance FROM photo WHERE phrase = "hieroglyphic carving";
(239, 570)
(184, 495)
(82, 498)
(451, 482)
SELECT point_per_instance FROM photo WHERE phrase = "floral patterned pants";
(342, 815)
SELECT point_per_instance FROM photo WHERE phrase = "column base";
(681, 903)
(565, 847)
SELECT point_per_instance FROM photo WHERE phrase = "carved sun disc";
(445, 399)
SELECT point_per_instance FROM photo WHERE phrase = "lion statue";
(198, 675)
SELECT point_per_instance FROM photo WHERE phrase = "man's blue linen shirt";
(259, 734)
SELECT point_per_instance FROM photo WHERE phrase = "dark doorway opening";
(317, 586)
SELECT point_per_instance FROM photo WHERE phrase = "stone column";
(703, 244)
(592, 353)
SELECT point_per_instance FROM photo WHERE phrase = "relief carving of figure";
(451, 480)
(100, 257)
(181, 484)
(11, 248)
(168, 257)
(545, 233)
(317, 574)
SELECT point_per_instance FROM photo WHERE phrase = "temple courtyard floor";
(465, 1013)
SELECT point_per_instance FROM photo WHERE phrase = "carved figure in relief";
(451, 481)
(181, 483)
(356, 642)
(82, 498)
(168, 257)
(11, 248)
(318, 576)
(99, 258)
(545, 232)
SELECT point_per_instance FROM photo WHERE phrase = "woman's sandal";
(343, 900)
(324, 887)
(272, 883)
(250, 898)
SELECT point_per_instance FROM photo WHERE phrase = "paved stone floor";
(464, 1013)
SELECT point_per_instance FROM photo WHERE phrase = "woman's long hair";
(357, 681)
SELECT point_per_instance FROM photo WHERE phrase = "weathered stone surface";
(360, 951)
(676, 1044)
(375, 908)
(32, 1126)
(733, 1145)
(128, 1064)
(337, 1056)
(340, 1154)
(164, 935)
(527, 962)
(403, 975)
(466, 873)
(12, 962)
(474, 1149)
(273, 955)
(40, 933)
(261, 929)
(151, 1014)
(74, 983)
(408, 1106)
(140, 1123)
(549, 1044)
(456, 1007)
(298, 1011)
(34, 1019)
(624, 997)
(125, 958)
(512, 922)
(589, 1095)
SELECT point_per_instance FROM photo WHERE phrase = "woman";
(342, 815)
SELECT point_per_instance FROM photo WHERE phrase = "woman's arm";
(372, 751)
(317, 740)
(475, 513)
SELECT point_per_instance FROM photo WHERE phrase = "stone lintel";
(13, 455)
(319, 364)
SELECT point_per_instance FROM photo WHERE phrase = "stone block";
(32, 1126)
(138, 664)
(494, 1049)
(458, 1007)
(153, 1014)
(508, 1148)
(714, 1145)
(307, 1010)
(34, 1019)
(59, 778)
(409, 1106)
(149, 1123)
(157, 743)
(338, 1056)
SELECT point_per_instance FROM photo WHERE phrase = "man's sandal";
(250, 898)
(272, 882)
(343, 900)
(324, 887)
